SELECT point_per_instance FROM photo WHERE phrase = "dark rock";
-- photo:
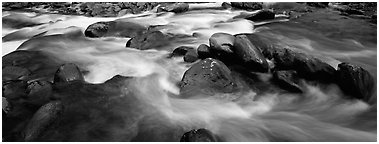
(148, 40)
(176, 8)
(200, 135)
(221, 44)
(114, 28)
(181, 51)
(39, 93)
(226, 5)
(203, 51)
(251, 56)
(190, 56)
(5, 105)
(318, 4)
(46, 115)
(18, 21)
(14, 73)
(250, 6)
(355, 81)
(68, 73)
(261, 15)
(287, 80)
(208, 74)
(14, 89)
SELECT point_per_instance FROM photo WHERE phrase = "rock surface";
(175, 7)
(209, 74)
(114, 29)
(203, 51)
(68, 73)
(191, 56)
(287, 80)
(249, 6)
(251, 56)
(355, 81)
(221, 45)
(261, 15)
(148, 40)
(199, 135)
(14, 73)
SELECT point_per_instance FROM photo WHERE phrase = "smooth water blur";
(320, 114)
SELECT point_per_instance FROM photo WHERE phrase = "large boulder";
(355, 81)
(208, 74)
(191, 56)
(221, 45)
(175, 7)
(249, 6)
(114, 29)
(199, 135)
(287, 80)
(68, 73)
(203, 51)
(251, 56)
(149, 40)
(46, 115)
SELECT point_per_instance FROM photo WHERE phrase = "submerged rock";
(199, 135)
(39, 93)
(203, 51)
(175, 7)
(355, 81)
(148, 40)
(251, 56)
(46, 115)
(114, 28)
(68, 73)
(14, 73)
(287, 80)
(208, 74)
(249, 6)
(261, 15)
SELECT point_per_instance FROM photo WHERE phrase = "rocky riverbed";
(190, 72)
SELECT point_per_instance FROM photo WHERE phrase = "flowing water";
(319, 114)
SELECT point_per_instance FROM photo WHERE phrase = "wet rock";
(190, 56)
(175, 7)
(261, 15)
(221, 44)
(181, 51)
(5, 105)
(114, 29)
(148, 40)
(14, 89)
(251, 56)
(355, 81)
(39, 93)
(203, 51)
(14, 73)
(226, 5)
(208, 74)
(249, 6)
(287, 80)
(46, 115)
(199, 135)
(68, 73)
(318, 4)
(18, 21)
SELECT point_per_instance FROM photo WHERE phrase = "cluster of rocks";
(30, 103)
(96, 9)
(254, 53)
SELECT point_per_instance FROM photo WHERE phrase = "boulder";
(203, 51)
(14, 89)
(287, 80)
(221, 44)
(249, 6)
(67, 73)
(199, 135)
(45, 115)
(39, 93)
(318, 4)
(175, 7)
(226, 5)
(355, 81)
(191, 56)
(148, 40)
(14, 73)
(261, 15)
(181, 51)
(208, 74)
(251, 56)
(114, 29)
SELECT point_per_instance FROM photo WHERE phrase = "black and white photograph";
(183, 71)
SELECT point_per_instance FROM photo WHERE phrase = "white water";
(320, 114)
